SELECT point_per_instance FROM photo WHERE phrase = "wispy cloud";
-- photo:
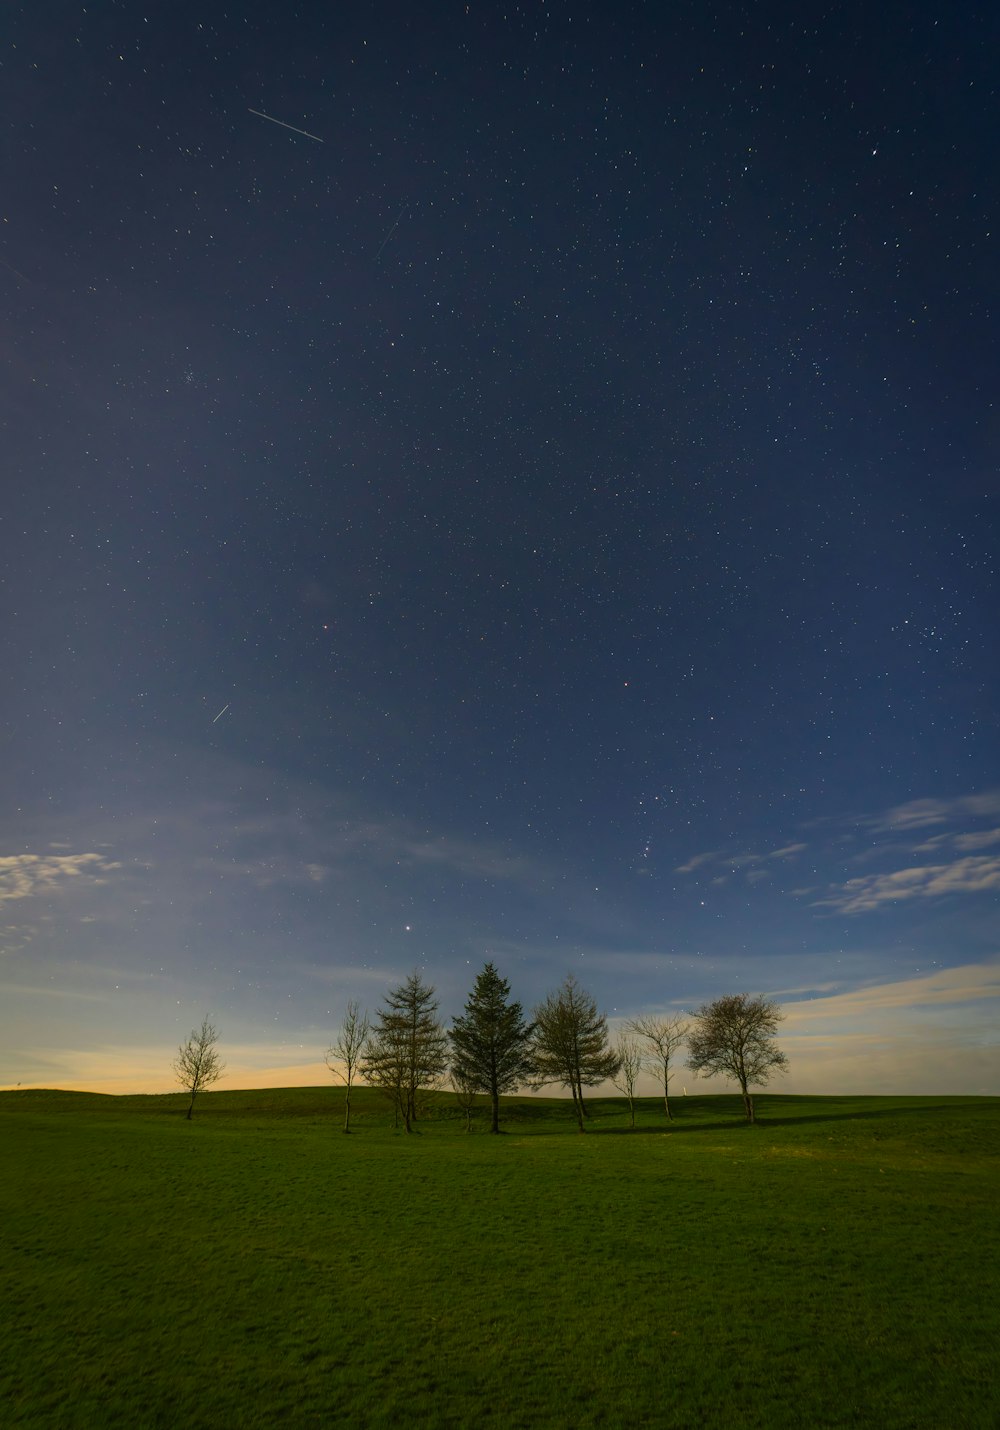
(729, 862)
(25, 875)
(697, 861)
(973, 875)
(923, 813)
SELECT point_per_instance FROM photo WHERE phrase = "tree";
(663, 1036)
(490, 1042)
(630, 1064)
(343, 1057)
(465, 1095)
(407, 1048)
(198, 1063)
(734, 1037)
(571, 1044)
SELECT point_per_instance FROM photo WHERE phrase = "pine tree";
(571, 1044)
(490, 1042)
(408, 1048)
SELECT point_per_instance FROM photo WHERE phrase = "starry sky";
(510, 481)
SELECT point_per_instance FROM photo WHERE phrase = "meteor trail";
(284, 125)
(222, 712)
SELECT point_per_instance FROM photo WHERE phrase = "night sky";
(569, 465)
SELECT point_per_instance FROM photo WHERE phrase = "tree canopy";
(407, 1049)
(571, 1043)
(734, 1037)
(491, 1042)
(198, 1064)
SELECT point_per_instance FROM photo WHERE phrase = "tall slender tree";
(343, 1057)
(491, 1042)
(570, 1044)
(198, 1064)
(662, 1036)
(407, 1048)
(630, 1065)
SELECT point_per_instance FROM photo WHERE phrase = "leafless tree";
(465, 1090)
(571, 1044)
(662, 1036)
(198, 1064)
(630, 1065)
(343, 1057)
(734, 1037)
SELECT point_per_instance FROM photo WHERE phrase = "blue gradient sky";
(572, 475)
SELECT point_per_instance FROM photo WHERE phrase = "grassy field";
(837, 1264)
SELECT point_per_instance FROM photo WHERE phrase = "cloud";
(922, 813)
(25, 875)
(787, 851)
(974, 875)
(696, 861)
(954, 987)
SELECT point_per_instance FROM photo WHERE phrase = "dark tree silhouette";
(662, 1036)
(198, 1064)
(490, 1042)
(734, 1037)
(571, 1044)
(407, 1049)
(343, 1057)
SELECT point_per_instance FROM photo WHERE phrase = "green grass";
(835, 1265)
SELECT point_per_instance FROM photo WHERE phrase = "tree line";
(493, 1049)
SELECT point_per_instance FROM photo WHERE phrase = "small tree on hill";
(630, 1063)
(571, 1044)
(407, 1049)
(734, 1037)
(662, 1036)
(343, 1057)
(198, 1064)
(490, 1041)
(465, 1095)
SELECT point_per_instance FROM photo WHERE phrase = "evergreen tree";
(490, 1042)
(571, 1044)
(407, 1049)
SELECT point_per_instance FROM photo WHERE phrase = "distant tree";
(734, 1037)
(570, 1044)
(343, 1057)
(630, 1065)
(407, 1048)
(490, 1041)
(466, 1093)
(198, 1064)
(662, 1036)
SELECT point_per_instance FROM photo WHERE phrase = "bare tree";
(343, 1057)
(630, 1065)
(198, 1064)
(571, 1044)
(734, 1037)
(465, 1089)
(662, 1036)
(407, 1048)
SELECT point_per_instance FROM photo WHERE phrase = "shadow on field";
(718, 1121)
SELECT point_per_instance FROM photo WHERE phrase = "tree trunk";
(631, 1112)
(666, 1099)
(495, 1120)
(347, 1110)
(748, 1104)
(191, 1106)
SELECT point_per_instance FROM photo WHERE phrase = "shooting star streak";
(292, 127)
(221, 712)
(391, 231)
